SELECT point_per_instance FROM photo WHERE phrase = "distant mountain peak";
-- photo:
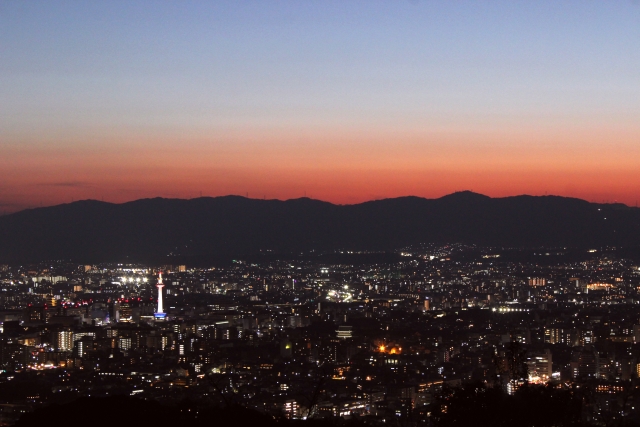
(465, 195)
(152, 229)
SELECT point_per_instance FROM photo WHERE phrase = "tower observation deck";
(160, 314)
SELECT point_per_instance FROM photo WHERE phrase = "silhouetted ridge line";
(92, 231)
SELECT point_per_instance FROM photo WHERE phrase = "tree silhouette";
(475, 404)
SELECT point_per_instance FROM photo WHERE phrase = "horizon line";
(246, 196)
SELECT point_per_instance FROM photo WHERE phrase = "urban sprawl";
(377, 341)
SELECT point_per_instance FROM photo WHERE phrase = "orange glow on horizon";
(343, 167)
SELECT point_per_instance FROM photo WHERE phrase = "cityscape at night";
(376, 337)
(320, 213)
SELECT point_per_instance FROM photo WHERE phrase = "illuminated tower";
(160, 314)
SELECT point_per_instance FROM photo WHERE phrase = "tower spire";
(160, 314)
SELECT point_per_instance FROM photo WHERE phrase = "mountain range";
(94, 231)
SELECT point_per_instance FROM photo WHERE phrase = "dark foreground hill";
(122, 411)
(91, 231)
(473, 404)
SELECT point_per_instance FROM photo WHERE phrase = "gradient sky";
(342, 100)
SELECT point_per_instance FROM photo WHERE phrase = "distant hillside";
(91, 231)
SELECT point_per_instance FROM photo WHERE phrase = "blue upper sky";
(142, 62)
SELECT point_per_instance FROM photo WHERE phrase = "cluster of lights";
(509, 310)
(389, 350)
(595, 286)
(137, 280)
(126, 300)
(340, 296)
(536, 379)
(42, 366)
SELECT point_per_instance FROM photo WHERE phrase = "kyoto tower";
(160, 314)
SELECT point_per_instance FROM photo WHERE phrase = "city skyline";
(339, 102)
(375, 340)
(286, 213)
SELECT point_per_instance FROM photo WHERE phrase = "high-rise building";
(13, 356)
(79, 348)
(291, 409)
(124, 343)
(559, 335)
(636, 333)
(65, 340)
(585, 364)
(539, 366)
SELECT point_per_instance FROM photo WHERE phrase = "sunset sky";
(344, 101)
